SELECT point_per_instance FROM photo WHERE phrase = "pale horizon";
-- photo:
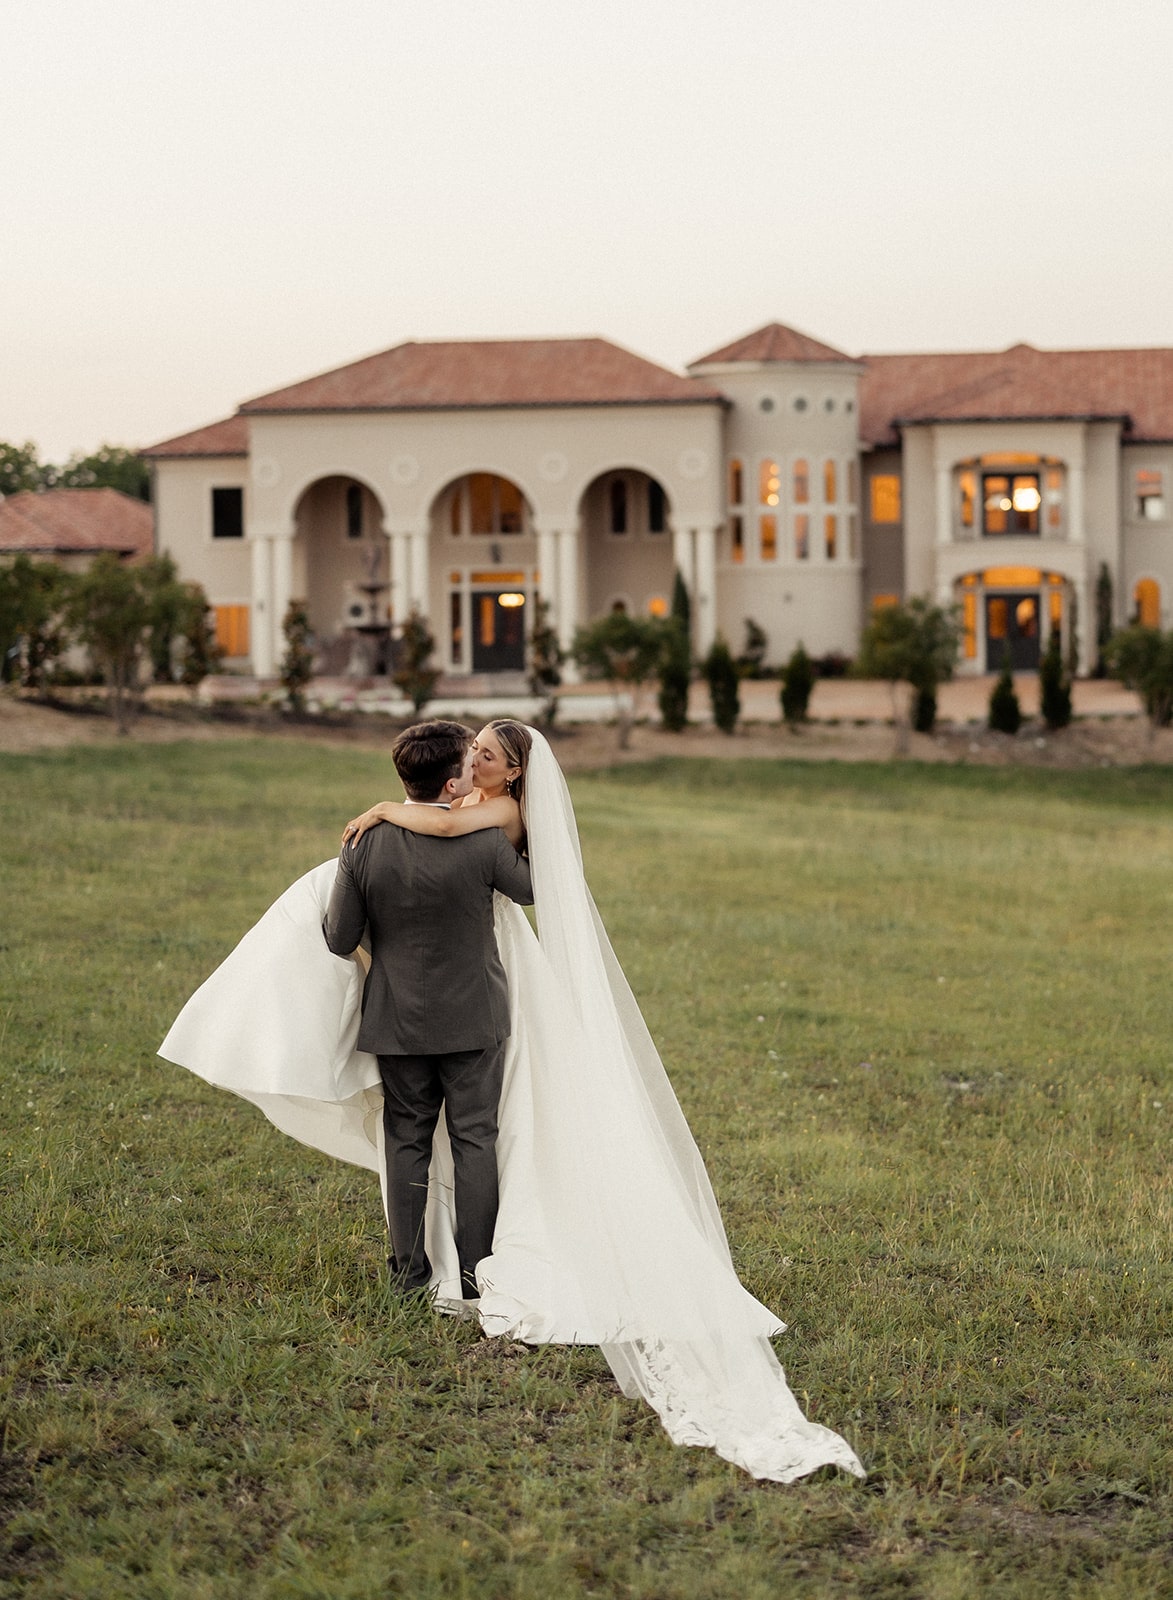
(207, 203)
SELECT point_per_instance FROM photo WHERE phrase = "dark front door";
(1012, 625)
(498, 630)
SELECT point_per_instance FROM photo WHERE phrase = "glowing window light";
(510, 601)
(1026, 497)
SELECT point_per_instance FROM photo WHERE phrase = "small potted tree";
(414, 674)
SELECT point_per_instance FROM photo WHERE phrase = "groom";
(435, 1007)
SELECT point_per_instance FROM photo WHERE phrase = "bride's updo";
(516, 743)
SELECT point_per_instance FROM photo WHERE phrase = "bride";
(608, 1231)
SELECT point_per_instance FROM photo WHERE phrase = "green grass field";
(920, 1020)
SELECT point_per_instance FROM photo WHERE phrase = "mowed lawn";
(921, 1022)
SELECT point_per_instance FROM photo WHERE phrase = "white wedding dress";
(608, 1231)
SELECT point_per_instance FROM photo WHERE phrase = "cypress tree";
(1005, 715)
(1103, 619)
(720, 671)
(675, 663)
(1054, 685)
(681, 605)
(675, 676)
(798, 681)
(297, 664)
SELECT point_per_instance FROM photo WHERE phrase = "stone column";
(548, 585)
(568, 617)
(400, 575)
(282, 585)
(418, 589)
(682, 557)
(261, 634)
(704, 607)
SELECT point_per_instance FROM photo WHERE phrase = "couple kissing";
(537, 1170)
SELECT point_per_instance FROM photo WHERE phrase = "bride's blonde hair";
(514, 739)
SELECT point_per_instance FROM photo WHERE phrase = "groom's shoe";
(404, 1284)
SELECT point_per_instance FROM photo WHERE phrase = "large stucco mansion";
(786, 481)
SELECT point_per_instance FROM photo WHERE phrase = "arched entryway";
(626, 543)
(484, 575)
(340, 567)
(1007, 614)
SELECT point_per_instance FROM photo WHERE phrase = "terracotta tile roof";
(75, 521)
(1019, 384)
(227, 438)
(489, 373)
(774, 342)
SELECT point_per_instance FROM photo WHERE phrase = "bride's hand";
(357, 826)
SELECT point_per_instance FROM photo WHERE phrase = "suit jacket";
(436, 982)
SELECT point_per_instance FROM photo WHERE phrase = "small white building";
(786, 481)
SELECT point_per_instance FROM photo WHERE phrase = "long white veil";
(629, 1212)
(608, 1231)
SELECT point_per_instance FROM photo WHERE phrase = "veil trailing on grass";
(608, 1231)
(630, 1215)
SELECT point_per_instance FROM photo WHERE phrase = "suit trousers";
(467, 1083)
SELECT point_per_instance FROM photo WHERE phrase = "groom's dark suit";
(436, 1014)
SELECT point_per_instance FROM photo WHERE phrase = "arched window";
(618, 503)
(736, 540)
(801, 482)
(487, 505)
(769, 494)
(354, 511)
(656, 507)
(1147, 602)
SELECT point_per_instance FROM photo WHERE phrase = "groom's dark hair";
(428, 754)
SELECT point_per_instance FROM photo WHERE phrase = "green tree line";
(111, 466)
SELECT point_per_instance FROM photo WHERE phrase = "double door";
(498, 629)
(1012, 629)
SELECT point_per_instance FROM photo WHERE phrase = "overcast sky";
(205, 199)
